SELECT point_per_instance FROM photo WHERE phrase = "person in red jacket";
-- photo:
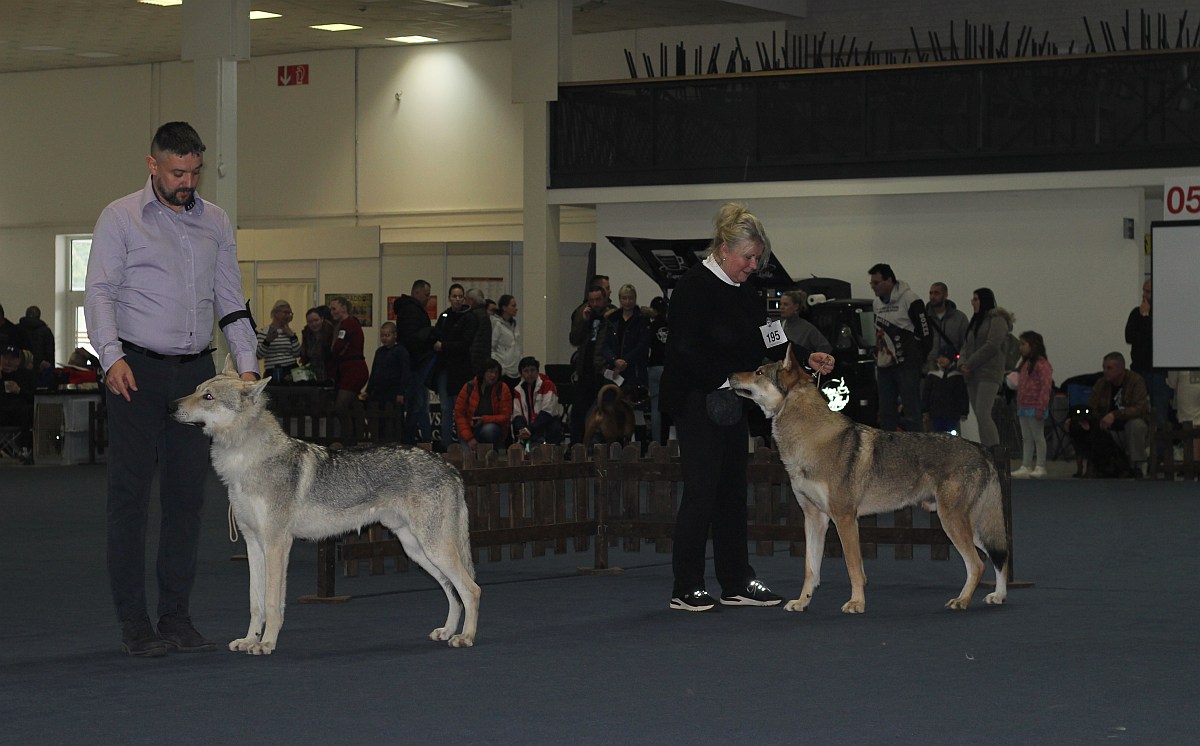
(349, 365)
(484, 408)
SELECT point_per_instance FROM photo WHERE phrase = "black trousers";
(143, 436)
(714, 460)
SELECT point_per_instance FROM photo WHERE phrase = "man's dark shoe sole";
(144, 651)
(204, 647)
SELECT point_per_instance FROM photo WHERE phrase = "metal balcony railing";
(1070, 113)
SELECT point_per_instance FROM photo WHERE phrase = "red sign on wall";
(293, 75)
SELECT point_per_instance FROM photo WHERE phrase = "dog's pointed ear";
(230, 369)
(255, 389)
(789, 359)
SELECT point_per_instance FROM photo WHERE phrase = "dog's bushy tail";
(988, 517)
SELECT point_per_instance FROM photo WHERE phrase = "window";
(79, 248)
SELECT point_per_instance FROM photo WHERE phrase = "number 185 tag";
(773, 334)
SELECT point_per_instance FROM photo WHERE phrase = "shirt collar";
(710, 262)
(149, 197)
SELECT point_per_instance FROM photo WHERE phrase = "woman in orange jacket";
(484, 408)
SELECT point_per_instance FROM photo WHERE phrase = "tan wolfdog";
(840, 469)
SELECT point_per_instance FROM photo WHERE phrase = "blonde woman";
(715, 319)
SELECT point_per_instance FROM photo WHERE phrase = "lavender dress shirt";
(160, 279)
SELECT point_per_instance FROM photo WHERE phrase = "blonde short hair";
(627, 290)
(734, 224)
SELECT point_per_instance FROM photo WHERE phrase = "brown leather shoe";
(177, 632)
(138, 639)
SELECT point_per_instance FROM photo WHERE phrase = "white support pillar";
(541, 52)
(216, 35)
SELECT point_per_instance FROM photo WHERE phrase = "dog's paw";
(462, 641)
(252, 645)
(995, 599)
(441, 634)
(854, 607)
(958, 604)
(799, 604)
(261, 648)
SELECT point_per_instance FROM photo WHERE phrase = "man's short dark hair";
(883, 270)
(1115, 356)
(341, 301)
(456, 285)
(597, 289)
(178, 138)
(419, 284)
(528, 362)
(941, 285)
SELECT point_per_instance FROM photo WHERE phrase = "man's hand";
(524, 433)
(1106, 422)
(119, 379)
(247, 376)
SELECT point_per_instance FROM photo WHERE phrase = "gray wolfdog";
(840, 469)
(281, 488)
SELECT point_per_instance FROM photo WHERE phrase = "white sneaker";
(1022, 473)
(1038, 472)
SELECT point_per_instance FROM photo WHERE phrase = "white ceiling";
(50, 34)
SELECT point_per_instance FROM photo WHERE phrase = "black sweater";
(713, 331)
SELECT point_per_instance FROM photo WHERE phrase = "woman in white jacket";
(506, 340)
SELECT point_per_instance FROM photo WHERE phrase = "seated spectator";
(41, 340)
(278, 345)
(1118, 412)
(484, 408)
(1186, 384)
(537, 415)
(390, 374)
(16, 401)
(11, 334)
(799, 330)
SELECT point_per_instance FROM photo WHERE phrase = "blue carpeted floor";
(1103, 648)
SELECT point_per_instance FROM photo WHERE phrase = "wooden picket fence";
(553, 499)
(1182, 436)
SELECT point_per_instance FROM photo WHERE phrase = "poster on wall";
(360, 305)
(430, 307)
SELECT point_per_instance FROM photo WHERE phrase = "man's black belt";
(131, 347)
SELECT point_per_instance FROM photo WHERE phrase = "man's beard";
(179, 198)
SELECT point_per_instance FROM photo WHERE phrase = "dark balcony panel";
(1052, 114)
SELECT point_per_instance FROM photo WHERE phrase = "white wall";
(444, 165)
(1055, 259)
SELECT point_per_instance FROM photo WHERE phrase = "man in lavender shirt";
(162, 270)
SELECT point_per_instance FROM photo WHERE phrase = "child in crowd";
(1035, 378)
(537, 415)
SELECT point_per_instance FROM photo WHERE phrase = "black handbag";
(724, 407)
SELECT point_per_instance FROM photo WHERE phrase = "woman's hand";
(821, 362)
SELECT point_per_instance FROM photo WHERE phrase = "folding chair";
(10, 442)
